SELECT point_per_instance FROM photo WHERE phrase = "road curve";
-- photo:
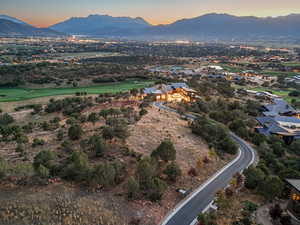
(186, 212)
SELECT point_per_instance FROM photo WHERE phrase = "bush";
(37, 142)
(43, 171)
(77, 167)
(6, 119)
(271, 187)
(145, 172)
(75, 132)
(133, 188)
(143, 112)
(97, 145)
(254, 177)
(165, 151)
(104, 174)
(3, 168)
(157, 189)
(173, 171)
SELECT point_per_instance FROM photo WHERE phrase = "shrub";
(173, 171)
(6, 119)
(165, 151)
(75, 132)
(133, 188)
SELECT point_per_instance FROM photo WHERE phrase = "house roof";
(152, 91)
(179, 85)
(265, 120)
(160, 89)
(279, 106)
(271, 125)
(295, 183)
(287, 119)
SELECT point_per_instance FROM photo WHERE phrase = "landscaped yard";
(20, 94)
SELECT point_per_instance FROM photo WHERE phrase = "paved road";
(188, 210)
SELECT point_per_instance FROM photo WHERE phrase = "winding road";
(186, 212)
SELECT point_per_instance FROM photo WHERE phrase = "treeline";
(45, 73)
(137, 60)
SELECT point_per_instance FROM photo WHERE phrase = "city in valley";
(114, 121)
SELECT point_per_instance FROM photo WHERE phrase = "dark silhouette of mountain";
(102, 25)
(206, 27)
(5, 17)
(10, 28)
(226, 26)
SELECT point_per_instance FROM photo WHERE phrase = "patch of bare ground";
(61, 204)
(148, 133)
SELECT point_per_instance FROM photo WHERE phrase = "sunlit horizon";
(46, 13)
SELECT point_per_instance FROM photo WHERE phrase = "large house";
(280, 119)
(174, 92)
(280, 107)
(286, 127)
(294, 203)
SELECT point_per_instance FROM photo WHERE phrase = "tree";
(173, 171)
(278, 149)
(228, 146)
(271, 187)
(143, 112)
(165, 151)
(37, 108)
(93, 118)
(104, 174)
(3, 168)
(97, 145)
(75, 132)
(285, 220)
(104, 113)
(60, 135)
(6, 119)
(45, 159)
(133, 188)
(77, 167)
(157, 189)
(145, 172)
(43, 171)
(254, 177)
(276, 212)
(108, 133)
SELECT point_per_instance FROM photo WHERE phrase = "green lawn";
(291, 63)
(282, 93)
(277, 73)
(20, 94)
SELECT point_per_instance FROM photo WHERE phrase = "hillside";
(10, 28)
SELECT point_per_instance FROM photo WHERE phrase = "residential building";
(175, 92)
(294, 202)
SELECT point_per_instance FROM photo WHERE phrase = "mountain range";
(10, 26)
(101, 25)
(206, 27)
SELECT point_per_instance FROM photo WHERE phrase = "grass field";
(277, 73)
(20, 94)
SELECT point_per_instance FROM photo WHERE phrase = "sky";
(43, 13)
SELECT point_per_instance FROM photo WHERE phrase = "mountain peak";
(13, 19)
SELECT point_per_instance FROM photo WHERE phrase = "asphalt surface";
(185, 213)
